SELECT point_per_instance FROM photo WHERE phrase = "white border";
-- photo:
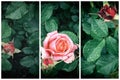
(40, 40)
(80, 39)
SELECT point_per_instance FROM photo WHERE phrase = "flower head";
(57, 46)
(9, 48)
(107, 12)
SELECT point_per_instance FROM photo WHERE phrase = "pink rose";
(58, 46)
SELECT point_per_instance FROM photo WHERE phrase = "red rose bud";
(107, 12)
(9, 48)
(48, 61)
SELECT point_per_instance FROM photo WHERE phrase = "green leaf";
(6, 30)
(76, 28)
(70, 25)
(16, 10)
(5, 56)
(6, 65)
(70, 67)
(44, 33)
(74, 10)
(73, 37)
(33, 38)
(107, 64)
(6, 40)
(34, 70)
(87, 68)
(116, 33)
(51, 72)
(59, 65)
(27, 61)
(27, 50)
(31, 13)
(21, 32)
(31, 26)
(37, 60)
(17, 43)
(86, 27)
(110, 24)
(64, 6)
(20, 37)
(92, 50)
(51, 25)
(99, 29)
(112, 45)
(74, 18)
(94, 10)
(46, 13)
(114, 74)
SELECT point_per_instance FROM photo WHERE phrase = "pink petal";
(56, 58)
(70, 42)
(54, 37)
(74, 48)
(44, 54)
(52, 33)
(70, 58)
(52, 44)
(47, 39)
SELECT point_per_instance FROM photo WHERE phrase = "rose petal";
(54, 37)
(70, 42)
(52, 33)
(70, 58)
(45, 43)
(52, 44)
(47, 39)
(74, 48)
(56, 58)
(46, 53)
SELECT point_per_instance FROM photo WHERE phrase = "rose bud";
(107, 13)
(58, 46)
(48, 62)
(9, 48)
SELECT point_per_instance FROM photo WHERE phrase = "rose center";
(61, 45)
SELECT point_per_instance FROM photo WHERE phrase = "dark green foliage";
(64, 18)
(20, 23)
(99, 43)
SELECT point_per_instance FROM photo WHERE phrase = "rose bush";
(59, 35)
(99, 48)
(20, 34)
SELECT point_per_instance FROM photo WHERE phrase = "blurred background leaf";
(16, 10)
